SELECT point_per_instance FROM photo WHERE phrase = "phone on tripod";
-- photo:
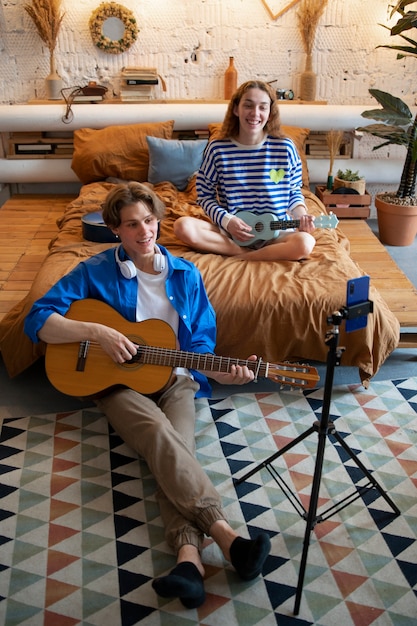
(357, 292)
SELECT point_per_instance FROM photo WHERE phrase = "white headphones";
(128, 268)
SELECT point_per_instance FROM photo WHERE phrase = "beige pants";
(162, 431)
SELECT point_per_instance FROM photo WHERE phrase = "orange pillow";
(297, 134)
(118, 151)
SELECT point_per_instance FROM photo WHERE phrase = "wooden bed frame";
(28, 222)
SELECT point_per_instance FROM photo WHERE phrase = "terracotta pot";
(397, 224)
(357, 185)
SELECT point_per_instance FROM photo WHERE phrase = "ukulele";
(266, 227)
(84, 369)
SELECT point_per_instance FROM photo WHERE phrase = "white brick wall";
(189, 41)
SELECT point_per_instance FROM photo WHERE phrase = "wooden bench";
(28, 222)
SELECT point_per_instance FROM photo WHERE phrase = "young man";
(141, 280)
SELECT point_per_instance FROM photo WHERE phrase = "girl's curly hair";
(230, 126)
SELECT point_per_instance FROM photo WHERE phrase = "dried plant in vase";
(47, 17)
(308, 16)
(333, 139)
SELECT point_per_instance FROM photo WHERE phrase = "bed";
(278, 311)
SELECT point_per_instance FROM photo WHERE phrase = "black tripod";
(323, 427)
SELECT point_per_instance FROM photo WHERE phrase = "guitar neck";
(196, 361)
(287, 374)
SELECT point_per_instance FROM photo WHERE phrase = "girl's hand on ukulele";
(307, 223)
(239, 230)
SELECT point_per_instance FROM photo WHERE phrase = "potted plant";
(349, 180)
(397, 212)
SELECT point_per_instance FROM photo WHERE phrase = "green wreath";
(100, 15)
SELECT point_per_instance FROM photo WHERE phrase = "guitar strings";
(170, 357)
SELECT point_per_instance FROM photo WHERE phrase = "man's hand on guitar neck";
(238, 375)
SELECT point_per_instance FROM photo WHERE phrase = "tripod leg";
(311, 517)
(366, 472)
(277, 454)
(333, 359)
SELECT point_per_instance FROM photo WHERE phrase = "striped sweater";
(265, 178)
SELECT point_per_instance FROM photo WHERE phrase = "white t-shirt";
(156, 304)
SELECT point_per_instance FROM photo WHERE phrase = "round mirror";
(113, 27)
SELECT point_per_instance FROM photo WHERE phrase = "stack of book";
(29, 143)
(202, 133)
(138, 83)
(82, 98)
(53, 144)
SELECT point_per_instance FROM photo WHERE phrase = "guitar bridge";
(82, 356)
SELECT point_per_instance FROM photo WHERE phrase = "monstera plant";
(395, 125)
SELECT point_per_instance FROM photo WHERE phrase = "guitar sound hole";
(132, 364)
(259, 227)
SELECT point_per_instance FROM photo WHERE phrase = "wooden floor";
(28, 222)
(394, 286)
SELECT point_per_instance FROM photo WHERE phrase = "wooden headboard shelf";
(188, 115)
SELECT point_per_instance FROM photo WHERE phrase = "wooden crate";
(345, 205)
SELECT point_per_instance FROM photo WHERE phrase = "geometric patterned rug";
(82, 538)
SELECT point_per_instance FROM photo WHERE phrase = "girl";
(250, 167)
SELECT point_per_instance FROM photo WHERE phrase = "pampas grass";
(333, 139)
(308, 16)
(47, 17)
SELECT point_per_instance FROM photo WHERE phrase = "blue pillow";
(174, 160)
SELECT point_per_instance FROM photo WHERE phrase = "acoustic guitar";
(84, 369)
(266, 227)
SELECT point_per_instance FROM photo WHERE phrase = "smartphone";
(357, 292)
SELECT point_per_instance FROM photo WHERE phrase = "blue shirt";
(99, 277)
(265, 178)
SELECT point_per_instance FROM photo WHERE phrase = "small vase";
(308, 80)
(230, 80)
(53, 82)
